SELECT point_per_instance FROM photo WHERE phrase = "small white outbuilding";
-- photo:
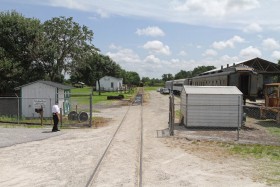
(109, 83)
(212, 106)
(44, 94)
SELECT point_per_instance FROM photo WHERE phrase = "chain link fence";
(255, 126)
(75, 110)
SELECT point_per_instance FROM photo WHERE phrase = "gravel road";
(35, 157)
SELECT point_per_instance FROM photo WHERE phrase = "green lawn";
(258, 151)
(82, 95)
(154, 88)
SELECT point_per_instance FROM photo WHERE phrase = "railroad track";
(137, 101)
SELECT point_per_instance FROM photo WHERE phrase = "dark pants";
(55, 122)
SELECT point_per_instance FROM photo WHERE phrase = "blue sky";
(155, 37)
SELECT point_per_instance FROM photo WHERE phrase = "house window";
(112, 85)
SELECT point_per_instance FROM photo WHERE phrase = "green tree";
(146, 80)
(201, 69)
(94, 67)
(132, 78)
(19, 50)
(64, 47)
(183, 74)
(167, 77)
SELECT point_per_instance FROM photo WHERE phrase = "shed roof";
(50, 83)
(212, 90)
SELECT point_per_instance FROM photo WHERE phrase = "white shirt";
(55, 109)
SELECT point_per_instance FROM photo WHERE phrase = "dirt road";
(68, 159)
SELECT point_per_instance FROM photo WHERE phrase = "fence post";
(51, 119)
(17, 110)
(171, 115)
(90, 110)
(60, 116)
(41, 115)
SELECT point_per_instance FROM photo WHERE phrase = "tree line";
(31, 50)
(180, 75)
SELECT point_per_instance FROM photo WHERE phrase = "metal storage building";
(211, 106)
(45, 94)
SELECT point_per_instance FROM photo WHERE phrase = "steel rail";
(91, 179)
(141, 145)
(106, 150)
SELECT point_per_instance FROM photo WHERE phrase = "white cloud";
(71, 4)
(102, 13)
(228, 43)
(250, 52)
(210, 53)
(152, 59)
(253, 27)
(270, 44)
(123, 56)
(150, 31)
(216, 8)
(276, 55)
(157, 47)
(229, 13)
(183, 53)
(226, 59)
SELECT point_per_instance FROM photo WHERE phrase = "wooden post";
(41, 114)
(60, 116)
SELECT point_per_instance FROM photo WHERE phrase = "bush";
(119, 97)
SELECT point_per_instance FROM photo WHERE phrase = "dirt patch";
(251, 132)
(100, 122)
(260, 170)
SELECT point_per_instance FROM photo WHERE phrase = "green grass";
(81, 96)
(274, 130)
(257, 151)
(85, 90)
(154, 88)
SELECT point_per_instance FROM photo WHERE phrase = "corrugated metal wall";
(211, 110)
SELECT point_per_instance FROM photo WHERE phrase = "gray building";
(211, 106)
(44, 94)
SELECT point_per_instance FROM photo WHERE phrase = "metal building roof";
(257, 64)
(212, 90)
(50, 83)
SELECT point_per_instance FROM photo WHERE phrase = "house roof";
(50, 83)
(112, 78)
(212, 90)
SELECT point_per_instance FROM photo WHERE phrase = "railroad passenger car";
(243, 77)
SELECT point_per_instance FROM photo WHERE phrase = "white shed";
(45, 94)
(211, 106)
(109, 83)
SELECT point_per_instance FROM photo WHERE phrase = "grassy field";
(150, 88)
(82, 95)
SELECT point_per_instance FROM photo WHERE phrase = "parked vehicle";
(165, 91)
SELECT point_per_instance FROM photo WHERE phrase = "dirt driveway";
(68, 159)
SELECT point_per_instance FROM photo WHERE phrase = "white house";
(109, 83)
(44, 94)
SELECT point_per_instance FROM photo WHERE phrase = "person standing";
(55, 113)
